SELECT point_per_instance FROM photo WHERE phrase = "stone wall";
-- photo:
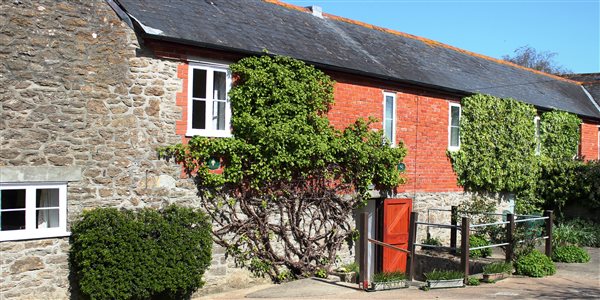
(79, 90)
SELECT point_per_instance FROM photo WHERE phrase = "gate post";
(453, 222)
(549, 223)
(510, 231)
(363, 264)
(464, 251)
(412, 236)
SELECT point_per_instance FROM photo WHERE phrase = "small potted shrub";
(437, 279)
(496, 271)
(347, 272)
(389, 280)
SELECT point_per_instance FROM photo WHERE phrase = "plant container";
(389, 285)
(442, 284)
(494, 277)
(346, 276)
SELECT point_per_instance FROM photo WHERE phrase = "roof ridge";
(427, 41)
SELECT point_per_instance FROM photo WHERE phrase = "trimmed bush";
(570, 254)
(535, 264)
(119, 254)
(478, 241)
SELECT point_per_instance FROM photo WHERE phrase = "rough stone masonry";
(78, 90)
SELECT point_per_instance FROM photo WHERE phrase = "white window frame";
(537, 135)
(450, 105)
(209, 131)
(30, 232)
(394, 117)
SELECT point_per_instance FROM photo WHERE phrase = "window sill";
(21, 235)
(208, 133)
(453, 149)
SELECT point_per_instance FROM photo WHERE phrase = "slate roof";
(591, 82)
(250, 26)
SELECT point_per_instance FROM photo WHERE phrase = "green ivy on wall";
(498, 152)
(559, 132)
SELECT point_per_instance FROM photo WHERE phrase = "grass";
(498, 267)
(389, 276)
(444, 275)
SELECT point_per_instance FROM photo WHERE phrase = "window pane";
(199, 114)
(219, 83)
(389, 107)
(12, 220)
(455, 112)
(46, 218)
(454, 133)
(219, 115)
(388, 131)
(47, 198)
(199, 88)
(12, 199)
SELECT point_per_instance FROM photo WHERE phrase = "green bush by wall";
(570, 254)
(535, 264)
(119, 254)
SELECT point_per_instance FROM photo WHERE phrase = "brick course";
(589, 141)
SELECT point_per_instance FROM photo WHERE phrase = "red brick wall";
(422, 125)
(589, 141)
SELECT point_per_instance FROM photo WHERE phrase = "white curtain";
(47, 218)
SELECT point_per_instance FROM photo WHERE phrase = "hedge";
(120, 254)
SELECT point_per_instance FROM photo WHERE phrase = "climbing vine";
(283, 202)
(498, 152)
(559, 133)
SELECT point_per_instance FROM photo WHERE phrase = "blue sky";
(570, 28)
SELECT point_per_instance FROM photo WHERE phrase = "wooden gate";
(396, 216)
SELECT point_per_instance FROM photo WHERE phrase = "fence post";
(549, 223)
(510, 232)
(453, 222)
(464, 247)
(412, 236)
(363, 263)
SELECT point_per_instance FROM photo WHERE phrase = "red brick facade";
(422, 119)
(422, 125)
(589, 141)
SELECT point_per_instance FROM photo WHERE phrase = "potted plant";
(389, 280)
(496, 271)
(347, 272)
(437, 279)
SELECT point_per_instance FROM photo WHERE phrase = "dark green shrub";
(431, 241)
(570, 254)
(498, 267)
(535, 264)
(478, 241)
(139, 255)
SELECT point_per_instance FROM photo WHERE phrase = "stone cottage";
(91, 88)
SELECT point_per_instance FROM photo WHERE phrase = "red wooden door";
(396, 214)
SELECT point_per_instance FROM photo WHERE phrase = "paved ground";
(572, 281)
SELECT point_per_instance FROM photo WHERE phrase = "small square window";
(32, 211)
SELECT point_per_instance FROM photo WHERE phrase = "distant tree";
(538, 60)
